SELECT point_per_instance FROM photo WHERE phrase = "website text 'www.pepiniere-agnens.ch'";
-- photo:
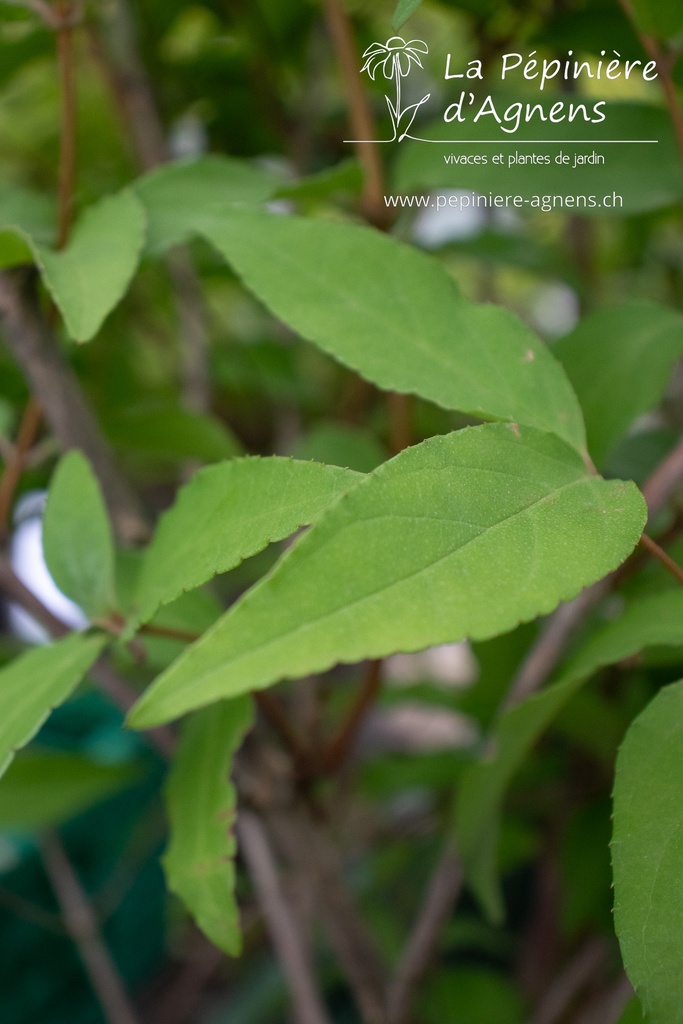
(476, 200)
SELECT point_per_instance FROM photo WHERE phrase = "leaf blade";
(77, 537)
(647, 855)
(655, 619)
(45, 788)
(201, 805)
(428, 533)
(229, 512)
(38, 681)
(404, 10)
(344, 287)
(627, 351)
(181, 195)
(90, 277)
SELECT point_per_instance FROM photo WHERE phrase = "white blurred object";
(555, 309)
(188, 137)
(28, 562)
(449, 664)
(414, 728)
(434, 227)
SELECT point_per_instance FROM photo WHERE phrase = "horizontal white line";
(516, 142)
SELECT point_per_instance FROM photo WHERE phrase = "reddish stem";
(67, 154)
(340, 746)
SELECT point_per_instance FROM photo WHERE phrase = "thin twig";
(123, 696)
(272, 710)
(183, 636)
(340, 746)
(13, 588)
(609, 1008)
(565, 622)
(48, 14)
(554, 638)
(306, 844)
(14, 467)
(57, 390)
(400, 412)
(255, 848)
(665, 481)
(116, 50)
(360, 112)
(665, 65)
(442, 893)
(108, 681)
(82, 926)
(31, 912)
(570, 982)
(672, 567)
(67, 135)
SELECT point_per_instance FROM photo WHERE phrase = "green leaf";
(43, 788)
(201, 802)
(167, 431)
(340, 445)
(647, 856)
(632, 1014)
(423, 167)
(464, 535)
(36, 682)
(470, 995)
(627, 351)
(395, 315)
(180, 197)
(91, 276)
(227, 513)
(77, 537)
(656, 619)
(33, 213)
(658, 18)
(404, 9)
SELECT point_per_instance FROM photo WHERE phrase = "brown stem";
(340, 746)
(57, 390)
(609, 1008)
(110, 683)
(275, 714)
(82, 926)
(116, 51)
(658, 553)
(305, 842)
(360, 112)
(194, 331)
(400, 414)
(665, 481)
(269, 706)
(573, 979)
(284, 933)
(442, 893)
(13, 588)
(67, 150)
(42, 8)
(183, 636)
(665, 66)
(11, 476)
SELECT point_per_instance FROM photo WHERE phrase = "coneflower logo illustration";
(396, 58)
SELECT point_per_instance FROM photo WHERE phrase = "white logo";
(396, 58)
